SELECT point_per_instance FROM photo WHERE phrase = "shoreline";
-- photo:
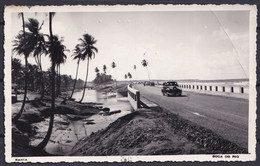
(37, 112)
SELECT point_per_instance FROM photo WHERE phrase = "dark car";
(149, 83)
(171, 89)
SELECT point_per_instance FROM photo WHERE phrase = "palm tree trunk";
(85, 83)
(25, 78)
(75, 81)
(148, 73)
(116, 77)
(42, 84)
(48, 135)
(58, 81)
(42, 78)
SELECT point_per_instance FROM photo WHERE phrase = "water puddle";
(66, 132)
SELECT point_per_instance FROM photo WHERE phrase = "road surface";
(226, 116)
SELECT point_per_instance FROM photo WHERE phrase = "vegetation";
(145, 64)
(77, 55)
(20, 47)
(88, 50)
(113, 65)
(102, 78)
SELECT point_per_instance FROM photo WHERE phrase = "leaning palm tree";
(88, 50)
(54, 44)
(77, 55)
(113, 65)
(145, 64)
(20, 47)
(37, 42)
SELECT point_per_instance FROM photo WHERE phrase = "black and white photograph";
(130, 83)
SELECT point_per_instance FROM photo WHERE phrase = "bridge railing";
(239, 89)
(134, 97)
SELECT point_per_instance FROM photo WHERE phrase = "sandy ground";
(153, 132)
(34, 122)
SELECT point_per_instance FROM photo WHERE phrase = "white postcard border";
(103, 8)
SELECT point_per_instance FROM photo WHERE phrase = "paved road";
(225, 116)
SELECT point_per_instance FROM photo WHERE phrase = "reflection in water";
(63, 139)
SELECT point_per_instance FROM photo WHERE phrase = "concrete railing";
(134, 97)
(239, 89)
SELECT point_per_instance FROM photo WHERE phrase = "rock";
(32, 117)
(106, 109)
(64, 101)
(23, 126)
(19, 138)
(90, 123)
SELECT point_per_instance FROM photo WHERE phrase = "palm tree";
(52, 52)
(104, 69)
(129, 75)
(60, 59)
(77, 55)
(20, 45)
(97, 79)
(88, 51)
(135, 72)
(37, 42)
(125, 76)
(113, 65)
(97, 70)
(145, 64)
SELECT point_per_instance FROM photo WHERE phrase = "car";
(149, 83)
(171, 89)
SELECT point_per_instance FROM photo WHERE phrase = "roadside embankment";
(153, 132)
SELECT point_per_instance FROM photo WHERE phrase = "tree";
(77, 55)
(37, 43)
(135, 72)
(145, 64)
(125, 76)
(88, 51)
(97, 70)
(17, 71)
(21, 48)
(32, 75)
(52, 52)
(105, 69)
(60, 58)
(113, 65)
(129, 75)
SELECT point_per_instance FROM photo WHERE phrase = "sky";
(178, 45)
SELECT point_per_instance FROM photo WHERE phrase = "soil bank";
(153, 132)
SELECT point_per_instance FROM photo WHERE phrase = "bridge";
(218, 113)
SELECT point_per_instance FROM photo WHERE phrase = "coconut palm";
(77, 55)
(105, 69)
(54, 44)
(113, 65)
(37, 43)
(135, 72)
(145, 64)
(88, 51)
(60, 59)
(20, 47)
